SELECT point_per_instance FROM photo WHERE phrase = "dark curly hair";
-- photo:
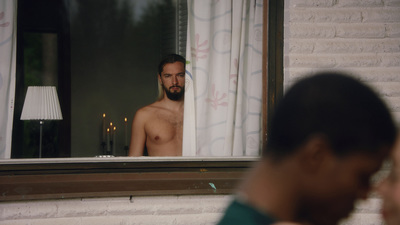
(347, 112)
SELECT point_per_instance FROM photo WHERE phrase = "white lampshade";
(41, 103)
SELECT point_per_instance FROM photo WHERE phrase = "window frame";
(125, 176)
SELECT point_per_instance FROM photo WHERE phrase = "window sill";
(32, 179)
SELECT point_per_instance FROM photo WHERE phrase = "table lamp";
(41, 103)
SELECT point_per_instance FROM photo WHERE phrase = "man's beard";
(174, 96)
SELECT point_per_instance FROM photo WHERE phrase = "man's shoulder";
(148, 111)
(155, 107)
(242, 213)
(149, 108)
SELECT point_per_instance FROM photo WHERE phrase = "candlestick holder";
(126, 148)
(103, 146)
(108, 150)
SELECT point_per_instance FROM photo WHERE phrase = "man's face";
(172, 79)
(389, 189)
(344, 180)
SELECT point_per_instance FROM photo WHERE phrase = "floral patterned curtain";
(224, 78)
(7, 73)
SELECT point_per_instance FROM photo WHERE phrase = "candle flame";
(104, 115)
(108, 130)
(111, 124)
(115, 128)
(126, 119)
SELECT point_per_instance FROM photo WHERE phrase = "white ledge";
(125, 159)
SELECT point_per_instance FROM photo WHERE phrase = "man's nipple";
(157, 138)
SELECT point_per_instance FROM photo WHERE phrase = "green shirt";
(239, 213)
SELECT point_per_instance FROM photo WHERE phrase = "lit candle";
(104, 128)
(111, 130)
(108, 140)
(126, 131)
(114, 138)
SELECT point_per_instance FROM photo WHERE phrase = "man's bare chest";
(164, 128)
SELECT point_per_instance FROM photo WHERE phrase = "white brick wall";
(176, 210)
(361, 37)
(156, 210)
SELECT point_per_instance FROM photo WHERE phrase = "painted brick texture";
(361, 37)
(168, 210)
(174, 210)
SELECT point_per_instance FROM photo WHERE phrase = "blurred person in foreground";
(328, 135)
(389, 189)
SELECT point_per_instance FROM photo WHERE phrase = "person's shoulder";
(155, 107)
(239, 212)
(147, 110)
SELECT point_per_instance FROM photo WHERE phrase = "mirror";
(96, 71)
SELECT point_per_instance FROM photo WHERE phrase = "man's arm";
(138, 138)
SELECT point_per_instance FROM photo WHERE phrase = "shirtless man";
(158, 127)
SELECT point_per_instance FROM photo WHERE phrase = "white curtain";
(224, 51)
(7, 73)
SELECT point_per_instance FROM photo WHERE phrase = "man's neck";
(269, 191)
(176, 105)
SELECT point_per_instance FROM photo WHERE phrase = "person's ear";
(315, 154)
